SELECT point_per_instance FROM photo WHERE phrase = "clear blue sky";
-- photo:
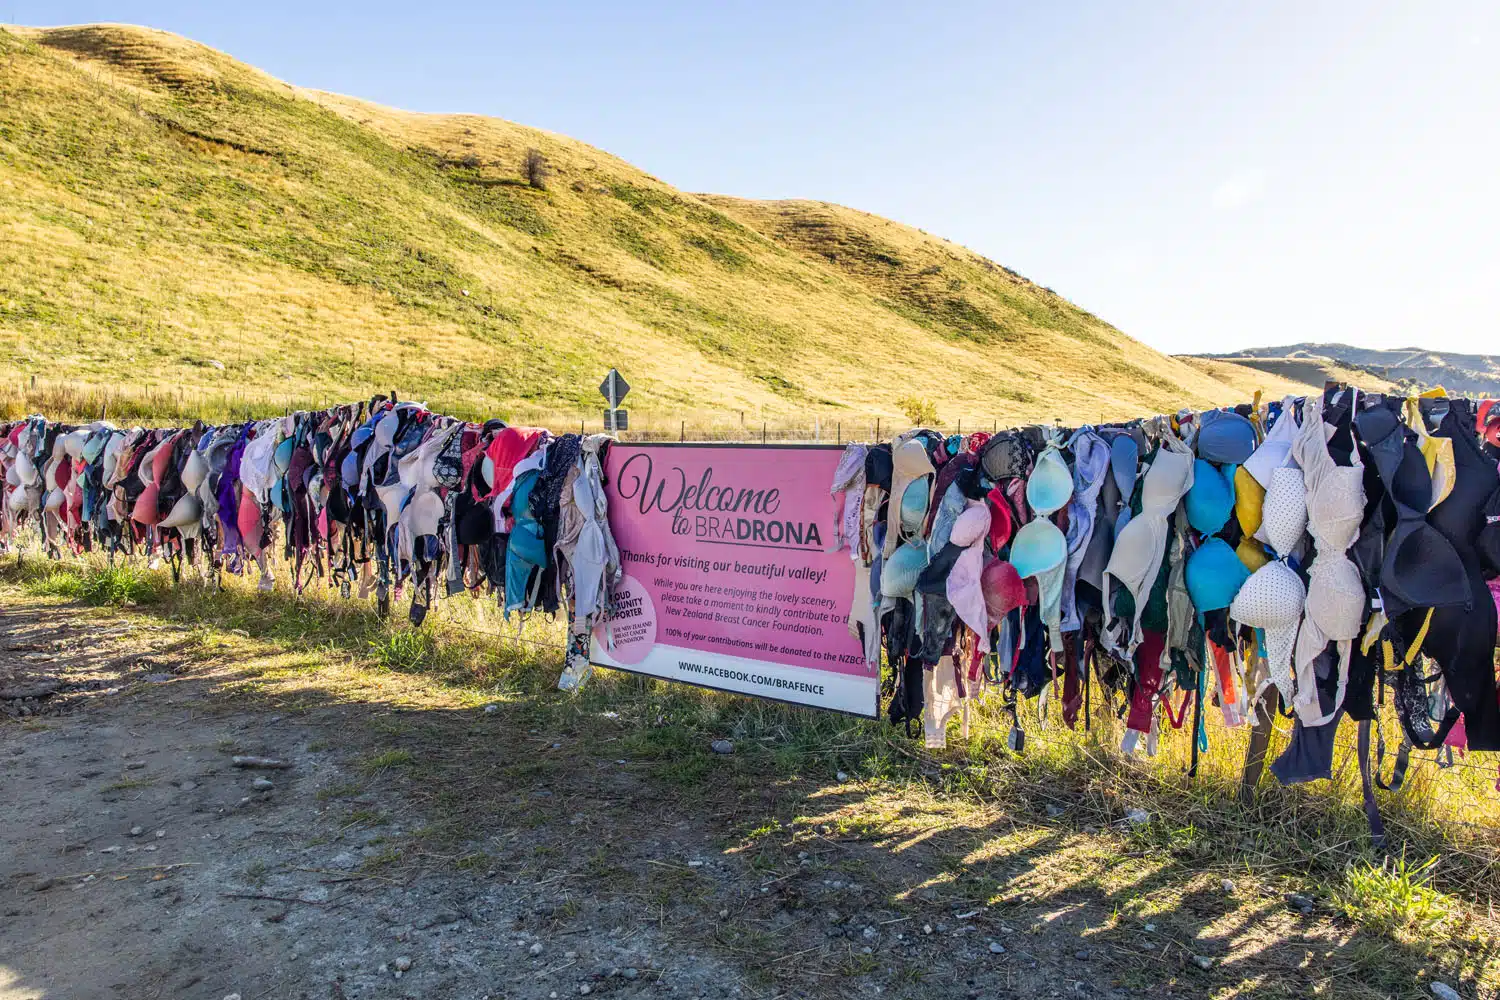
(1205, 176)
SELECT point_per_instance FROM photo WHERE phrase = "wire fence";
(175, 404)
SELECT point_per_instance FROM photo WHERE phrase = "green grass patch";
(113, 585)
(403, 650)
(386, 760)
(1393, 897)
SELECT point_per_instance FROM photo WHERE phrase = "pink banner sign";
(729, 583)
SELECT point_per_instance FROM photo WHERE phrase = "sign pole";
(613, 389)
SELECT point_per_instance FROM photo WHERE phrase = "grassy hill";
(178, 223)
(1302, 374)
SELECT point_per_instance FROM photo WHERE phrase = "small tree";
(921, 412)
(534, 168)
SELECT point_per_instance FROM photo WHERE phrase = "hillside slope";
(1285, 376)
(171, 216)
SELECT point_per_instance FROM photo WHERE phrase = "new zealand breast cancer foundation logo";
(629, 631)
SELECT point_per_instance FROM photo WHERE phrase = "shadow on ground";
(822, 858)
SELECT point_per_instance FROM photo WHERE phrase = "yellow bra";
(1437, 451)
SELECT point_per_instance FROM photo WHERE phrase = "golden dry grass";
(1279, 379)
(165, 209)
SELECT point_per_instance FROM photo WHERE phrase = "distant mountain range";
(1407, 367)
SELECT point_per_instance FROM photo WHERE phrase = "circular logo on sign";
(629, 632)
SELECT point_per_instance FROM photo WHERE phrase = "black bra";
(1420, 569)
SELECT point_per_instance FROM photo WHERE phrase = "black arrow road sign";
(613, 388)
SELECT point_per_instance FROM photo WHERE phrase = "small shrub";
(921, 412)
(534, 168)
(1392, 897)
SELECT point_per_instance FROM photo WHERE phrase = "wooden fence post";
(1255, 755)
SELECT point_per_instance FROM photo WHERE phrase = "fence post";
(763, 432)
(877, 430)
(841, 431)
(1255, 754)
(682, 432)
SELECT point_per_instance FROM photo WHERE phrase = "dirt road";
(139, 862)
(417, 847)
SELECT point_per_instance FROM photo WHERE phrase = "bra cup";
(146, 469)
(1038, 547)
(1276, 450)
(1402, 469)
(20, 498)
(1210, 502)
(1438, 454)
(1124, 460)
(1249, 499)
(1336, 597)
(1335, 510)
(186, 511)
(909, 462)
(161, 459)
(1170, 476)
(971, 525)
(194, 471)
(1273, 598)
(145, 510)
(1050, 485)
(915, 500)
(1284, 514)
(247, 520)
(1041, 551)
(1418, 553)
(409, 469)
(1131, 559)
(1251, 554)
(1213, 574)
(392, 497)
(1003, 457)
(898, 578)
(1335, 493)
